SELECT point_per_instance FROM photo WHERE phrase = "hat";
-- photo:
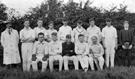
(54, 33)
(68, 36)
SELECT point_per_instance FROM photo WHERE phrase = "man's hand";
(45, 57)
(123, 47)
(34, 57)
(130, 47)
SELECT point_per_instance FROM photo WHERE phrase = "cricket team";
(78, 45)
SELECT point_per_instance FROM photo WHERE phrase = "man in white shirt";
(55, 51)
(40, 53)
(109, 35)
(78, 30)
(96, 54)
(93, 30)
(50, 31)
(82, 50)
(9, 41)
(64, 30)
(27, 37)
(39, 29)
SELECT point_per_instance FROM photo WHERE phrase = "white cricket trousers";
(98, 61)
(72, 58)
(109, 52)
(26, 55)
(55, 58)
(83, 61)
(34, 63)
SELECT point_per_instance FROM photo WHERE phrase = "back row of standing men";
(87, 45)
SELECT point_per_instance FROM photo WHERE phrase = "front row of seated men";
(64, 52)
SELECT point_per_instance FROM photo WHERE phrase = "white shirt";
(40, 48)
(63, 31)
(27, 33)
(55, 48)
(38, 30)
(109, 33)
(93, 31)
(81, 48)
(49, 33)
(76, 32)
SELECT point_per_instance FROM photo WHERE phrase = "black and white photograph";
(67, 39)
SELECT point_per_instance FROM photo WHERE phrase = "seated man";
(82, 50)
(55, 51)
(40, 53)
(96, 54)
(68, 53)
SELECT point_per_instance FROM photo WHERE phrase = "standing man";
(39, 29)
(69, 53)
(64, 30)
(109, 35)
(50, 31)
(82, 50)
(55, 51)
(126, 40)
(78, 30)
(9, 41)
(96, 53)
(93, 30)
(40, 53)
(27, 37)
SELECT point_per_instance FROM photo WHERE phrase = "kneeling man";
(96, 54)
(55, 51)
(40, 52)
(82, 50)
(68, 53)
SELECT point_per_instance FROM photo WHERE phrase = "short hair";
(54, 33)
(26, 20)
(91, 19)
(79, 22)
(80, 35)
(64, 19)
(40, 19)
(94, 37)
(108, 20)
(125, 22)
(68, 36)
(51, 22)
(41, 33)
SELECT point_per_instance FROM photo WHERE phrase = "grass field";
(115, 73)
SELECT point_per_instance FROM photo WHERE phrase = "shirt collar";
(28, 28)
(93, 27)
(11, 30)
(41, 42)
(94, 44)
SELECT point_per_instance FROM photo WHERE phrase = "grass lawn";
(115, 73)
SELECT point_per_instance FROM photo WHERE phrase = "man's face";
(41, 38)
(51, 25)
(68, 40)
(81, 39)
(64, 22)
(79, 24)
(126, 25)
(92, 23)
(40, 22)
(94, 40)
(9, 26)
(54, 38)
(108, 23)
(26, 24)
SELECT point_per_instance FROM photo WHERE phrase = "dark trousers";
(126, 57)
